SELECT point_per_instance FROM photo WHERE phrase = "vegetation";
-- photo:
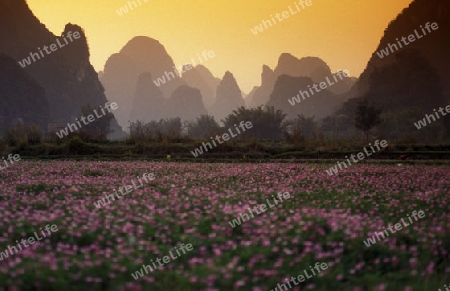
(271, 137)
(204, 127)
(301, 128)
(367, 117)
(21, 135)
(324, 220)
(155, 131)
(267, 123)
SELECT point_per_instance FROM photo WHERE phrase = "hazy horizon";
(187, 29)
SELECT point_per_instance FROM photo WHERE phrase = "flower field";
(325, 220)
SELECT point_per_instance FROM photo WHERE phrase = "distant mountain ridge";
(122, 70)
(200, 77)
(260, 95)
(228, 97)
(58, 85)
(148, 101)
(320, 104)
(312, 67)
(186, 94)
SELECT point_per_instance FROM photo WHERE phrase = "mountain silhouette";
(320, 104)
(185, 103)
(148, 102)
(201, 78)
(408, 81)
(250, 96)
(209, 78)
(312, 67)
(261, 94)
(23, 99)
(434, 46)
(68, 78)
(121, 72)
(228, 97)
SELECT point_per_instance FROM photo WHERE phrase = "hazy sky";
(343, 33)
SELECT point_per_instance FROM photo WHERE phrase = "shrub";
(22, 135)
(76, 146)
(34, 134)
(16, 135)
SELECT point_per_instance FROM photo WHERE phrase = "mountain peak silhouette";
(66, 74)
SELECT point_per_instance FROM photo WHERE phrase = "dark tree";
(366, 117)
(301, 127)
(204, 127)
(267, 123)
(100, 127)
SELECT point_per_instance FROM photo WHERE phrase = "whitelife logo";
(53, 48)
(423, 122)
(411, 38)
(446, 288)
(128, 188)
(281, 17)
(371, 240)
(10, 158)
(301, 278)
(263, 208)
(296, 99)
(198, 151)
(26, 243)
(90, 118)
(334, 170)
(165, 260)
(183, 69)
(124, 9)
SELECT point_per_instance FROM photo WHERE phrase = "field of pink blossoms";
(325, 220)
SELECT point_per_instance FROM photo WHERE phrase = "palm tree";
(302, 127)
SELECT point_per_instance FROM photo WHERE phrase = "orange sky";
(343, 33)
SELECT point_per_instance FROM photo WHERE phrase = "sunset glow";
(343, 33)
